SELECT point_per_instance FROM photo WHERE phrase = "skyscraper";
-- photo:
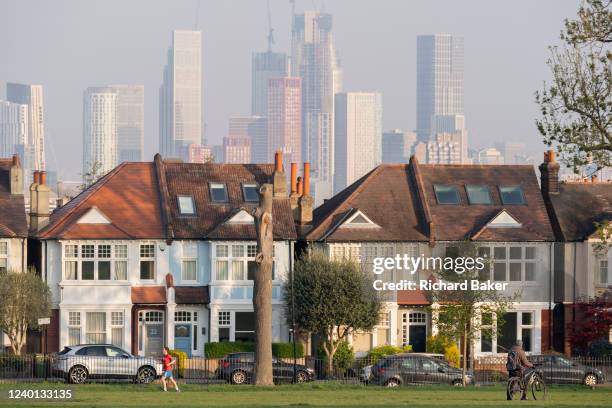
(265, 65)
(99, 131)
(180, 95)
(236, 149)
(254, 128)
(130, 122)
(397, 146)
(285, 118)
(358, 131)
(13, 128)
(314, 59)
(33, 149)
(439, 81)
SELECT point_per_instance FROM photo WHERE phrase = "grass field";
(124, 395)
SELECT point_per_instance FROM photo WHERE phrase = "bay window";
(500, 336)
(103, 262)
(236, 262)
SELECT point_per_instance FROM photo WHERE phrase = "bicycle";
(532, 381)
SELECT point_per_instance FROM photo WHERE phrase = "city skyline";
(484, 124)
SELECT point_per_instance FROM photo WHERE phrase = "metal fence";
(388, 371)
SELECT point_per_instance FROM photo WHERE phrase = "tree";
(331, 298)
(593, 322)
(24, 298)
(262, 288)
(576, 107)
(91, 175)
(461, 314)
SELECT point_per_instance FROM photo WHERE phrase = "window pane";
(3, 265)
(499, 253)
(186, 206)
(508, 333)
(446, 194)
(486, 340)
(189, 270)
(104, 270)
(237, 270)
(70, 270)
(74, 336)
(147, 251)
(526, 337)
(526, 319)
(221, 251)
(511, 195)
(218, 193)
(250, 192)
(87, 270)
(499, 271)
(104, 251)
(96, 328)
(530, 271)
(120, 270)
(221, 267)
(252, 270)
(70, 251)
(87, 251)
(147, 269)
(251, 251)
(515, 271)
(3, 248)
(245, 321)
(117, 336)
(515, 252)
(530, 252)
(238, 251)
(224, 333)
(225, 318)
(120, 251)
(478, 194)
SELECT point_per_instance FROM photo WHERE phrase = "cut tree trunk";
(262, 288)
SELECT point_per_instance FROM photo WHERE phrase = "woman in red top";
(168, 361)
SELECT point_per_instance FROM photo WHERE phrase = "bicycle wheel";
(514, 388)
(538, 388)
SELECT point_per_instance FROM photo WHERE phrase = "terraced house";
(163, 253)
(418, 209)
(13, 222)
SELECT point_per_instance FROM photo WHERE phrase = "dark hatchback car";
(237, 368)
(409, 368)
(559, 370)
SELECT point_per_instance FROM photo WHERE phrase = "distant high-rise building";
(285, 118)
(236, 149)
(14, 130)
(254, 128)
(218, 153)
(358, 132)
(180, 95)
(314, 59)
(439, 80)
(194, 153)
(514, 153)
(265, 65)
(446, 148)
(490, 156)
(130, 122)
(397, 146)
(99, 131)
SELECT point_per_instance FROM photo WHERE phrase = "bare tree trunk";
(464, 365)
(262, 288)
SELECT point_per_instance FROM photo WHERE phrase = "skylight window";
(512, 195)
(478, 194)
(446, 194)
(186, 205)
(250, 193)
(218, 192)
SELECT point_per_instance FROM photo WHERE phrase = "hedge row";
(279, 350)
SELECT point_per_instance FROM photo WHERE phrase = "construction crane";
(270, 29)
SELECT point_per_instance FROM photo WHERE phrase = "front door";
(154, 339)
(182, 337)
(418, 338)
(414, 330)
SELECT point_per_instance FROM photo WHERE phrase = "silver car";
(79, 363)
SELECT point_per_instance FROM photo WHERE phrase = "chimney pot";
(594, 178)
(43, 177)
(300, 187)
(36, 178)
(306, 178)
(15, 160)
(293, 178)
(278, 161)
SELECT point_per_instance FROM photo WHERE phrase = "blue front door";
(182, 338)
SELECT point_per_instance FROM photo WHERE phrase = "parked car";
(412, 368)
(79, 363)
(560, 370)
(366, 372)
(237, 368)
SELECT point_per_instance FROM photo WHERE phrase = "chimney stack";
(549, 174)
(279, 182)
(16, 176)
(305, 202)
(594, 178)
(39, 202)
(294, 196)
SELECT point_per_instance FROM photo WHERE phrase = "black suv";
(237, 368)
(559, 370)
(412, 368)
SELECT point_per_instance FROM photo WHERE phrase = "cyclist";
(517, 360)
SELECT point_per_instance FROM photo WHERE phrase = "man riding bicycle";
(517, 360)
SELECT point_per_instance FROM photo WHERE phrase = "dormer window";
(218, 192)
(186, 205)
(446, 194)
(478, 194)
(512, 195)
(250, 193)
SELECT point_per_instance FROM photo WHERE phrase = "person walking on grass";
(168, 361)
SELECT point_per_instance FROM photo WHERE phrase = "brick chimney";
(279, 182)
(549, 174)
(294, 196)
(39, 202)
(305, 202)
(16, 176)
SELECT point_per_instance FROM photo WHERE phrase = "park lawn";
(310, 395)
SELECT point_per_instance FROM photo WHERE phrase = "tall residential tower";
(99, 132)
(130, 122)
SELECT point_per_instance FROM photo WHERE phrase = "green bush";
(452, 355)
(181, 358)
(344, 357)
(379, 352)
(280, 350)
(443, 345)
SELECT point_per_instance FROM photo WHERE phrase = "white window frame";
(246, 254)
(4, 253)
(78, 258)
(523, 261)
(180, 199)
(147, 258)
(75, 323)
(600, 270)
(519, 330)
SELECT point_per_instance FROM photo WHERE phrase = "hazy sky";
(69, 45)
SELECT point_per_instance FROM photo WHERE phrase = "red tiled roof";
(412, 297)
(191, 295)
(148, 295)
(13, 222)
